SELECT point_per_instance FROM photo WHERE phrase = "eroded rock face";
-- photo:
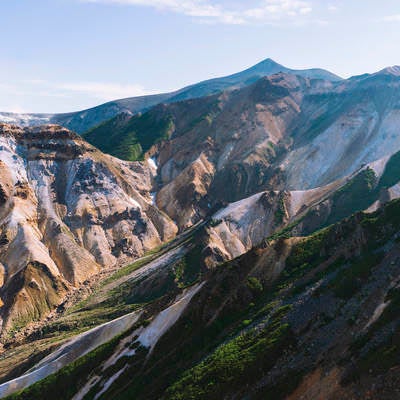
(244, 224)
(185, 198)
(66, 212)
(284, 132)
(239, 133)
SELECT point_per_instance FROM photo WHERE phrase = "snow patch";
(110, 382)
(377, 313)
(166, 319)
(147, 337)
(69, 352)
(225, 156)
(23, 119)
(373, 207)
(153, 196)
(152, 161)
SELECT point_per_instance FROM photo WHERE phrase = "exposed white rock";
(71, 209)
(394, 191)
(239, 209)
(351, 142)
(152, 161)
(304, 198)
(379, 166)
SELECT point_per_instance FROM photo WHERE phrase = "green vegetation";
(254, 285)
(357, 195)
(280, 211)
(65, 383)
(351, 279)
(243, 341)
(391, 175)
(187, 269)
(129, 138)
(233, 365)
(238, 331)
(305, 255)
(382, 224)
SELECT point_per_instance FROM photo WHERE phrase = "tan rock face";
(239, 133)
(244, 224)
(185, 198)
(66, 212)
(284, 132)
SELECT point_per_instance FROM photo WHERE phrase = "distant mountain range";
(81, 121)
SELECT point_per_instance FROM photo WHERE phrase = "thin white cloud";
(266, 11)
(97, 92)
(392, 18)
(333, 8)
(103, 91)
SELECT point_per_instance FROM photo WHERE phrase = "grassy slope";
(129, 138)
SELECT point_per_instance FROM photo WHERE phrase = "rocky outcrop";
(67, 211)
(244, 224)
(185, 198)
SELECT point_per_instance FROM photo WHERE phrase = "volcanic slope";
(67, 212)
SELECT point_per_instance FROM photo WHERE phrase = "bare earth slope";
(67, 211)
(284, 132)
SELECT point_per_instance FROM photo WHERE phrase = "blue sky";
(65, 55)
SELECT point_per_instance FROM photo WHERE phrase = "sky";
(68, 55)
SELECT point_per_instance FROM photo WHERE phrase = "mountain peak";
(268, 66)
(393, 70)
(270, 62)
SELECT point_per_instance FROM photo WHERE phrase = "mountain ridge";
(81, 121)
(251, 249)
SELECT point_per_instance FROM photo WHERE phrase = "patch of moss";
(187, 269)
(233, 365)
(305, 255)
(280, 211)
(254, 285)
